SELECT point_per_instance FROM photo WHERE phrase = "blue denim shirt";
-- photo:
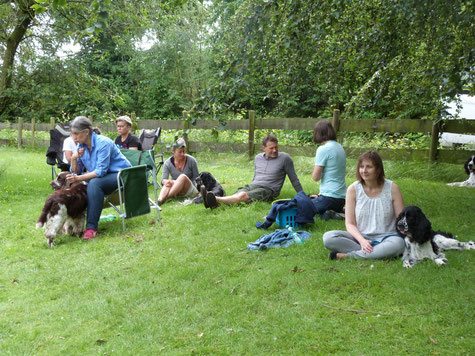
(104, 156)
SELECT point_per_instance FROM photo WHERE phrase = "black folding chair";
(150, 140)
(54, 155)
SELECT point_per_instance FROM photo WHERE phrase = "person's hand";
(78, 154)
(366, 246)
(314, 196)
(168, 183)
(71, 178)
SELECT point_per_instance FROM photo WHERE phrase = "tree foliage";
(379, 58)
(368, 58)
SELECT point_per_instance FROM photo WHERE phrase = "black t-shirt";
(130, 141)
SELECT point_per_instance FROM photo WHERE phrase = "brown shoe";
(211, 200)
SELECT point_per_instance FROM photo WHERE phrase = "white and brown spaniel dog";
(469, 167)
(64, 207)
(423, 242)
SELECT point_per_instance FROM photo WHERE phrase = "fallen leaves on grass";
(296, 269)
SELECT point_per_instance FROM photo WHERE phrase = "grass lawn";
(187, 284)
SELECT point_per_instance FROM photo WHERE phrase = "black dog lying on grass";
(423, 242)
(207, 180)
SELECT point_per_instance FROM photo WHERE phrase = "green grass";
(187, 284)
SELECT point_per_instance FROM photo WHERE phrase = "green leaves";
(303, 57)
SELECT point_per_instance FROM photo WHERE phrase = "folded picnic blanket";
(278, 238)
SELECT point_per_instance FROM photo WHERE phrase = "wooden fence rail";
(251, 124)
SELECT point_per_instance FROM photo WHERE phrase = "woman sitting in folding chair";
(126, 139)
(183, 170)
(102, 160)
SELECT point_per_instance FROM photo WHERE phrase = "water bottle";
(294, 235)
(108, 218)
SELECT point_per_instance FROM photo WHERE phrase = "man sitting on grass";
(270, 169)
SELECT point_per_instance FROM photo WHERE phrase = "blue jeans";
(97, 188)
(323, 203)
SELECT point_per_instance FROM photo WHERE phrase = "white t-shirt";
(375, 216)
(69, 145)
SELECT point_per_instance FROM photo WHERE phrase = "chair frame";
(157, 141)
(58, 160)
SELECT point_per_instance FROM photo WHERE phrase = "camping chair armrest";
(131, 169)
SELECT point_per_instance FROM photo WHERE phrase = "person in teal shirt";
(330, 164)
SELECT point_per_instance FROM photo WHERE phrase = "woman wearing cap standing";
(102, 160)
(183, 170)
(126, 139)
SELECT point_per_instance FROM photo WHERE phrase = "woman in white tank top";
(372, 204)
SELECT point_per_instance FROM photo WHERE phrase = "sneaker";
(332, 255)
(90, 234)
(204, 195)
(211, 200)
(330, 214)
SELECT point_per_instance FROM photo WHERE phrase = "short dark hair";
(376, 160)
(323, 131)
(269, 137)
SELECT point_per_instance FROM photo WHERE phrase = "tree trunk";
(24, 19)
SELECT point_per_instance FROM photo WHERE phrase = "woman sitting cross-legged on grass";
(183, 169)
(372, 205)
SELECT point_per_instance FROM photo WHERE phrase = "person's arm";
(321, 158)
(104, 151)
(165, 173)
(195, 170)
(398, 202)
(290, 171)
(134, 142)
(71, 178)
(317, 173)
(350, 219)
(74, 160)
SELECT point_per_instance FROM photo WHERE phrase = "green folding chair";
(131, 199)
(147, 158)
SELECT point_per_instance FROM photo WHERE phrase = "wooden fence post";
(336, 119)
(252, 127)
(33, 124)
(51, 120)
(186, 126)
(434, 141)
(20, 132)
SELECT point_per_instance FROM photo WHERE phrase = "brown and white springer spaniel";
(64, 207)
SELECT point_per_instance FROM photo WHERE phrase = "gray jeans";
(342, 241)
